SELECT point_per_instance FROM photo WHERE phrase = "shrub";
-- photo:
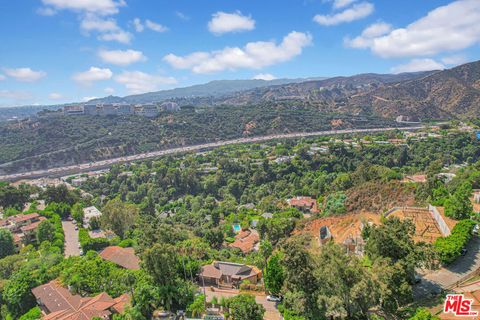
(88, 243)
(450, 248)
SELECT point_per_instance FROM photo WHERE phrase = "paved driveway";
(448, 277)
(71, 239)
(271, 311)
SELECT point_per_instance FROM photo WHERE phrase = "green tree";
(160, 262)
(197, 307)
(33, 314)
(119, 216)
(77, 212)
(423, 314)
(244, 307)
(274, 276)
(45, 231)
(458, 205)
(214, 237)
(7, 246)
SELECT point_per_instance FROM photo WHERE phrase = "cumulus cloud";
(418, 65)
(264, 76)
(98, 7)
(355, 12)
(368, 35)
(338, 4)
(91, 75)
(155, 26)
(107, 28)
(182, 16)
(55, 96)
(86, 99)
(138, 82)
(447, 28)
(25, 74)
(454, 60)
(223, 22)
(121, 57)
(254, 55)
(109, 90)
(138, 25)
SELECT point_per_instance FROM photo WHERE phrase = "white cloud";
(368, 35)
(447, 28)
(86, 99)
(91, 75)
(2, 77)
(107, 28)
(455, 59)
(254, 55)
(182, 16)
(139, 82)
(137, 24)
(98, 7)
(94, 23)
(25, 74)
(45, 11)
(109, 90)
(418, 65)
(121, 57)
(140, 26)
(223, 22)
(155, 26)
(118, 36)
(338, 4)
(55, 96)
(355, 12)
(264, 76)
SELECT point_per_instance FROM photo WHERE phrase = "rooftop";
(124, 257)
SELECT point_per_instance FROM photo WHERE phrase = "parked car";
(464, 251)
(418, 279)
(274, 298)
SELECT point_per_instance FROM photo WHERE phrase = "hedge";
(450, 248)
(88, 243)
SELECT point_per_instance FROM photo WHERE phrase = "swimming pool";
(237, 228)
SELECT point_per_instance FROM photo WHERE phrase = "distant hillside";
(453, 93)
(211, 89)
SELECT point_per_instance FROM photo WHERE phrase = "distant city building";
(170, 106)
(108, 110)
(146, 110)
(124, 109)
(73, 110)
(90, 109)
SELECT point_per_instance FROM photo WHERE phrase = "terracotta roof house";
(228, 274)
(57, 303)
(22, 227)
(124, 257)
(246, 240)
(304, 204)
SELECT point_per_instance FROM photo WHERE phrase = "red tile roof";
(304, 203)
(62, 305)
(246, 240)
(124, 257)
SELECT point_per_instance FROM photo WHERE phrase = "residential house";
(124, 257)
(246, 241)
(228, 274)
(304, 204)
(88, 214)
(57, 303)
(23, 227)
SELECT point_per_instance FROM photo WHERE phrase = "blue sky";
(56, 51)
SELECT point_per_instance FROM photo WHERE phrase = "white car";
(273, 298)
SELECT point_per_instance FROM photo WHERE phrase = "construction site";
(430, 224)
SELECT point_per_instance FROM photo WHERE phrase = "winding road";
(92, 166)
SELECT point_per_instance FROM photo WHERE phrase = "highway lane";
(92, 166)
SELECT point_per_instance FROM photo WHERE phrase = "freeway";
(92, 166)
